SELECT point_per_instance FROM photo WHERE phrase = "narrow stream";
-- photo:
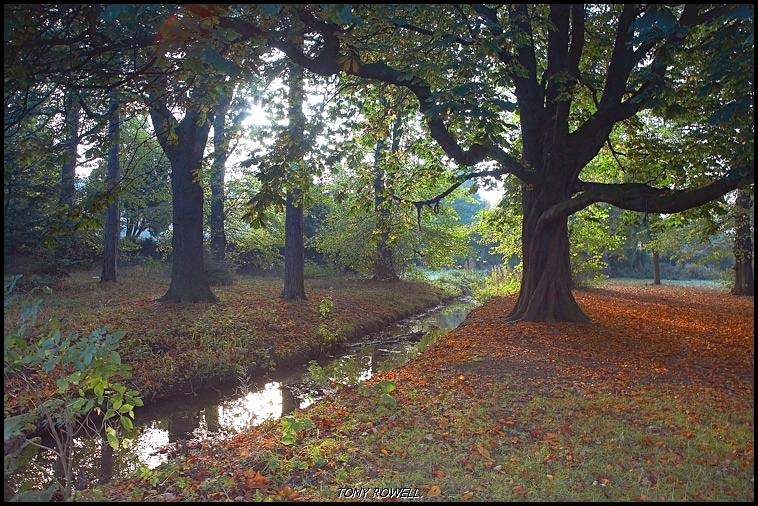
(177, 426)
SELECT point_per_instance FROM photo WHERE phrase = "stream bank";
(175, 426)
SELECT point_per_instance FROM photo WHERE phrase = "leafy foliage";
(89, 367)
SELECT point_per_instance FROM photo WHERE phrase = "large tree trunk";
(112, 221)
(184, 144)
(106, 462)
(294, 242)
(656, 268)
(218, 172)
(743, 247)
(188, 279)
(545, 294)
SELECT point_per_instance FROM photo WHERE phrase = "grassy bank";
(652, 401)
(179, 347)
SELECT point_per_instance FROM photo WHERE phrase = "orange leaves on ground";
(254, 479)
(287, 494)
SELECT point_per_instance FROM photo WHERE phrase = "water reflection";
(176, 427)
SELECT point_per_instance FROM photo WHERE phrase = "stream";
(175, 426)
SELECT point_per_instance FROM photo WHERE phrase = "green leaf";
(112, 439)
(654, 24)
(127, 423)
(14, 426)
(386, 386)
(387, 400)
(62, 385)
(288, 439)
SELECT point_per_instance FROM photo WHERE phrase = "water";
(179, 425)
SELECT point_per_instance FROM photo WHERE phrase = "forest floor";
(174, 347)
(651, 401)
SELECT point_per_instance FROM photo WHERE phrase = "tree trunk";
(294, 248)
(743, 247)
(68, 169)
(218, 172)
(65, 244)
(294, 243)
(384, 267)
(106, 462)
(188, 279)
(656, 268)
(184, 144)
(545, 294)
(112, 221)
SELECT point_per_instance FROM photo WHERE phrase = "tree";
(545, 55)
(743, 246)
(294, 248)
(218, 171)
(222, 135)
(184, 144)
(112, 229)
(68, 167)
(384, 266)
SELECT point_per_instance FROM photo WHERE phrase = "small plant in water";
(244, 380)
(318, 375)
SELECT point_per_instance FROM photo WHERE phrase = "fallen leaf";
(434, 491)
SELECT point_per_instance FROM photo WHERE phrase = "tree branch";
(643, 198)
(325, 63)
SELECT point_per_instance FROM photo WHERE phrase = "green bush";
(89, 369)
(500, 282)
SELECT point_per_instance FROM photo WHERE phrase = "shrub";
(500, 282)
(88, 368)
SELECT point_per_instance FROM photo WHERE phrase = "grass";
(174, 347)
(701, 283)
(652, 401)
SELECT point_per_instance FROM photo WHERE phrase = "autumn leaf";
(483, 452)
(434, 491)
(254, 479)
